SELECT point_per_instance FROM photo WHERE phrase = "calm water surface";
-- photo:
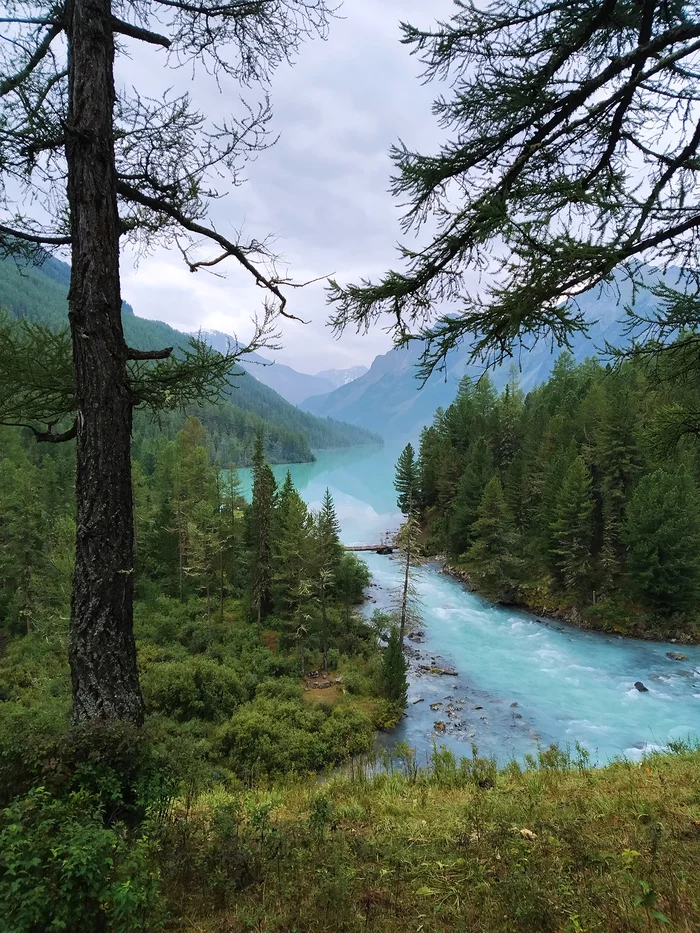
(535, 683)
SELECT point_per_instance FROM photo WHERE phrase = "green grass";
(556, 847)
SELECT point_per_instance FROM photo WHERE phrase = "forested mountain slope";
(390, 398)
(39, 294)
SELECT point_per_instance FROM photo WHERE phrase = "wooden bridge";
(386, 546)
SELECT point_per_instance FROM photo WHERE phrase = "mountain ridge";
(390, 394)
(292, 384)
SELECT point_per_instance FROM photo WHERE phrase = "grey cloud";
(322, 190)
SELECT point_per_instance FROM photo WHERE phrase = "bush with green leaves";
(197, 688)
(62, 870)
(273, 735)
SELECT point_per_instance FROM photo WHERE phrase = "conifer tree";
(478, 470)
(292, 548)
(428, 466)
(261, 514)
(572, 529)
(329, 553)
(406, 598)
(229, 532)
(406, 481)
(393, 670)
(550, 179)
(492, 559)
(330, 549)
(662, 534)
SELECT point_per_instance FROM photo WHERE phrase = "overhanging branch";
(230, 248)
(132, 354)
(39, 239)
(137, 32)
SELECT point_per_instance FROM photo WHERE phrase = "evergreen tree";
(261, 524)
(572, 529)
(292, 548)
(662, 534)
(407, 596)
(429, 466)
(478, 471)
(229, 533)
(549, 181)
(492, 559)
(330, 550)
(392, 672)
(406, 481)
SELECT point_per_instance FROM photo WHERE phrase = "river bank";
(550, 613)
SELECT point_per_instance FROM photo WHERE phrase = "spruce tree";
(292, 548)
(406, 598)
(261, 525)
(329, 553)
(662, 535)
(406, 481)
(330, 550)
(492, 560)
(392, 672)
(478, 471)
(572, 530)
(428, 466)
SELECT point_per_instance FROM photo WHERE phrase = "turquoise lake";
(536, 682)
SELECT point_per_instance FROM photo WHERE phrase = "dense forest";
(38, 294)
(577, 498)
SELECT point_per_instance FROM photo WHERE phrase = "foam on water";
(569, 685)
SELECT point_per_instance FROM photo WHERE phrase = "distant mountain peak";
(389, 397)
(292, 385)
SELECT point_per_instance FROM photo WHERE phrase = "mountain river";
(520, 682)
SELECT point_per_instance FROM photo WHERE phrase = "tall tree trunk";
(404, 598)
(102, 651)
(324, 629)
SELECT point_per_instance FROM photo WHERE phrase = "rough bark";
(102, 650)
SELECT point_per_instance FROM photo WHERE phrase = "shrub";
(193, 689)
(62, 870)
(273, 736)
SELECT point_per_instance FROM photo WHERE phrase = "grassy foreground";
(554, 847)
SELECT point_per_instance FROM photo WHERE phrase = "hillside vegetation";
(39, 295)
(580, 498)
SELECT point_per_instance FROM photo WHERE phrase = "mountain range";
(292, 385)
(389, 398)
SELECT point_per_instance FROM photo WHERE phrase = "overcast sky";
(322, 190)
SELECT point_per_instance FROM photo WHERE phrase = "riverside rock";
(640, 686)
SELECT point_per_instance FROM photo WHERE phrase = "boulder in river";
(676, 656)
(640, 686)
(440, 726)
(417, 700)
